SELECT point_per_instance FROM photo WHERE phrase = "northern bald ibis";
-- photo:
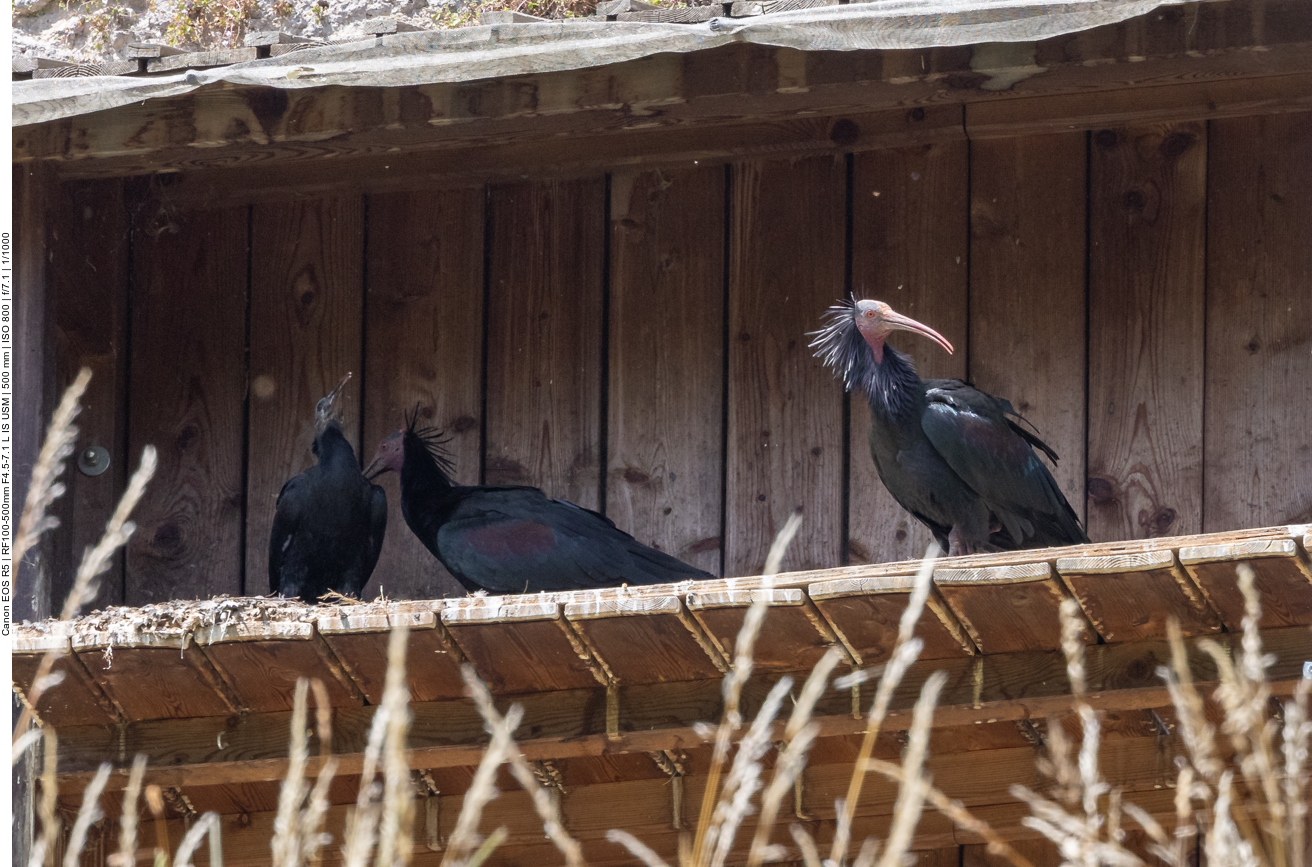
(510, 538)
(329, 522)
(951, 455)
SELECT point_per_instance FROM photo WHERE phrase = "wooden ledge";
(602, 607)
(1018, 574)
(497, 611)
(344, 621)
(777, 596)
(1238, 551)
(1116, 564)
(1013, 686)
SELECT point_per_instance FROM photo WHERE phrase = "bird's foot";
(957, 546)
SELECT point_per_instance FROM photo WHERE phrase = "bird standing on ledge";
(509, 538)
(329, 522)
(950, 454)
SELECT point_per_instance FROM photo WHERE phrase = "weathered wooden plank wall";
(1135, 292)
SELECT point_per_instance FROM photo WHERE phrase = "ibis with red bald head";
(953, 456)
(329, 522)
(512, 538)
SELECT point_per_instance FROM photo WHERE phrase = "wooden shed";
(591, 251)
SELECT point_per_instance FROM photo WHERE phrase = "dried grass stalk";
(127, 823)
(44, 487)
(87, 815)
(298, 826)
(805, 846)
(94, 561)
(911, 793)
(43, 848)
(636, 848)
(395, 836)
(210, 824)
(905, 651)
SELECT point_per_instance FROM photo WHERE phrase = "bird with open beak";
(950, 454)
(329, 521)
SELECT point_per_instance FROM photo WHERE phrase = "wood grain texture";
(670, 650)
(910, 215)
(665, 411)
(1135, 601)
(263, 674)
(307, 261)
(149, 682)
(790, 639)
(432, 665)
(1259, 336)
(89, 270)
(544, 337)
(423, 345)
(1147, 188)
(1005, 617)
(869, 623)
(1027, 299)
(1040, 853)
(187, 391)
(522, 657)
(1283, 583)
(785, 411)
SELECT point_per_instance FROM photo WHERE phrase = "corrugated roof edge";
(502, 50)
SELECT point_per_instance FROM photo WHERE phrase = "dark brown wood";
(868, 621)
(33, 369)
(1006, 608)
(522, 655)
(665, 412)
(1025, 685)
(90, 273)
(544, 337)
(432, 659)
(307, 293)
(1027, 260)
(75, 701)
(1039, 852)
(187, 391)
(424, 346)
(1259, 353)
(1282, 577)
(794, 636)
(909, 249)
(675, 647)
(263, 674)
(149, 682)
(785, 449)
(1147, 189)
(1132, 596)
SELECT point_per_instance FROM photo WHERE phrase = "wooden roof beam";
(651, 717)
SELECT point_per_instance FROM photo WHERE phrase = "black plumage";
(953, 456)
(512, 538)
(329, 522)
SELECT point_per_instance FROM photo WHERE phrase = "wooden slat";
(1027, 260)
(1146, 331)
(1006, 608)
(423, 345)
(305, 335)
(360, 643)
(866, 612)
(1131, 595)
(674, 646)
(261, 662)
(1259, 350)
(1040, 853)
(557, 725)
(544, 337)
(909, 249)
(524, 648)
(89, 268)
(188, 388)
(666, 360)
(1281, 576)
(155, 678)
(793, 636)
(785, 415)
(76, 701)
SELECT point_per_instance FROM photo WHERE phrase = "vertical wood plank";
(90, 276)
(1259, 334)
(667, 360)
(785, 409)
(423, 345)
(910, 225)
(307, 301)
(544, 337)
(186, 394)
(1147, 188)
(1027, 299)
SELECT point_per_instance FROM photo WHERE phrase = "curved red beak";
(898, 322)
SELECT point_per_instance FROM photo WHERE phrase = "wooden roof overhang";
(236, 143)
(612, 683)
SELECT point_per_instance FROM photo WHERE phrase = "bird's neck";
(421, 475)
(334, 451)
(891, 385)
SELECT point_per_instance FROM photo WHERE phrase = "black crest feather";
(840, 346)
(434, 441)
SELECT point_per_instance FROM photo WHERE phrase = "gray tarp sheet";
(499, 50)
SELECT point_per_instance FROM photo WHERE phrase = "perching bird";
(329, 522)
(950, 454)
(510, 538)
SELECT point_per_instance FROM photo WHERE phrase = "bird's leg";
(957, 546)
